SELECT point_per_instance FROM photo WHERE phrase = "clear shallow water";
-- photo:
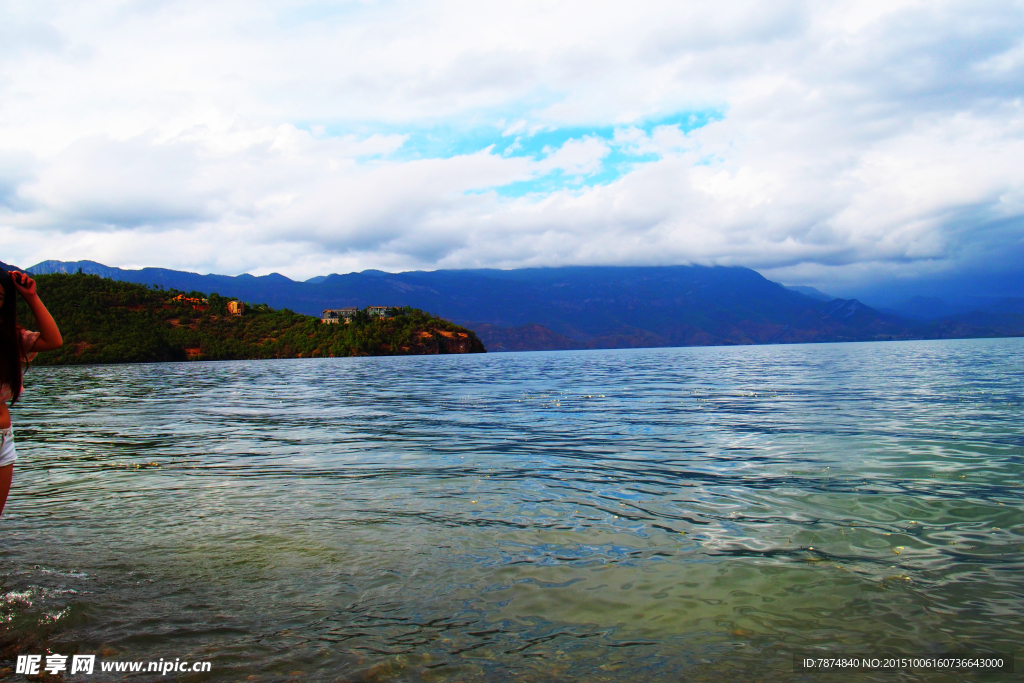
(603, 515)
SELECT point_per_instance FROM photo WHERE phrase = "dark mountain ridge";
(584, 306)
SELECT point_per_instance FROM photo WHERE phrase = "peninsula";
(109, 321)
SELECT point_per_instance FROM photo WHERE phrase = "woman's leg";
(5, 484)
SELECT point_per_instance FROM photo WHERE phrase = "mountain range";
(592, 306)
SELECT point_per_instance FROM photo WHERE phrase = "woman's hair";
(10, 337)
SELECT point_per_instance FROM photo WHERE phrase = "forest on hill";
(109, 321)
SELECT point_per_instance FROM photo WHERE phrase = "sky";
(842, 145)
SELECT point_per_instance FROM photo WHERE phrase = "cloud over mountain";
(840, 142)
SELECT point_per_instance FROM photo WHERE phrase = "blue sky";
(517, 137)
(851, 146)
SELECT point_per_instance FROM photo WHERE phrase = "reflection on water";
(602, 515)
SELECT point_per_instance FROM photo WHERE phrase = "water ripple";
(604, 515)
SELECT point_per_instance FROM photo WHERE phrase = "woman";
(17, 346)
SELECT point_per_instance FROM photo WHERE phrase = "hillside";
(577, 307)
(591, 307)
(106, 321)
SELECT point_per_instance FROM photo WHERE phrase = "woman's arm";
(49, 335)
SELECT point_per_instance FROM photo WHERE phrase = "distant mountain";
(811, 292)
(529, 337)
(1003, 318)
(971, 317)
(926, 308)
(176, 279)
(1014, 305)
(582, 307)
(8, 267)
(87, 267)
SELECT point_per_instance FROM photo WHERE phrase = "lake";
(623, 515)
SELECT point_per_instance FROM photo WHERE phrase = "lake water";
(646, 514)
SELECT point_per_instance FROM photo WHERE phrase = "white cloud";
(853, 138)
(576, 157)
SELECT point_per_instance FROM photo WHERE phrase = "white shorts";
(7, 454)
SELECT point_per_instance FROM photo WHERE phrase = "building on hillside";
(337, 315)
(236, 307)
(379, 311)
(197, 303)
(190, 299)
